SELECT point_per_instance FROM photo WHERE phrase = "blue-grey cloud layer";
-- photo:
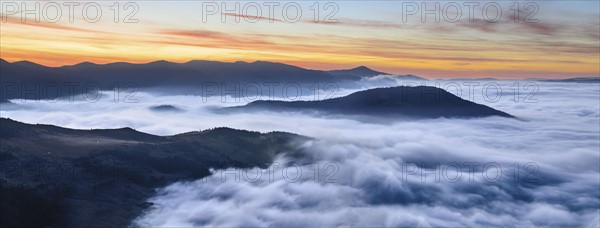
(560, 134)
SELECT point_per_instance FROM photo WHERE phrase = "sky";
(549, 39)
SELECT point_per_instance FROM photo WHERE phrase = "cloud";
(46, 25)
(252, 18)
(210, 35)
(361, 24)
(380, 166)
(208, 38)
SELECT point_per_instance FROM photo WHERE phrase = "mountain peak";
(83, 64)
(26, 63)
(394, 102)
(160, 62)
(361, 68)
(361, 71)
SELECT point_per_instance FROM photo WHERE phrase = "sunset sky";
(565, 42)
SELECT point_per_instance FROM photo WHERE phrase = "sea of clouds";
(541, 169)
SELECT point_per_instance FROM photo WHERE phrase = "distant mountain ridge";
(393, 102)
(574, 80)
(193, 74)
(361, 71)
(365, 72)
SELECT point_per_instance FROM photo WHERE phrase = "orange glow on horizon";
(387, 47)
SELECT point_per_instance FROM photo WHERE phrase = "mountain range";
(25, 76)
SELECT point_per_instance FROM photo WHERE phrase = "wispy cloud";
(254, 18)
(46, 25)
(361, 24)
(208, 38)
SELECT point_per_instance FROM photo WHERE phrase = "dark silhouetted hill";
(395, 102)
(361, 71)
(60, 177)
(165, 108)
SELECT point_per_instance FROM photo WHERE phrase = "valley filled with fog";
(540, 168)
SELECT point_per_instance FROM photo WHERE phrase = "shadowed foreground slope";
(53, 176)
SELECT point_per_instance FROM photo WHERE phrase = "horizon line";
(255, 61)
